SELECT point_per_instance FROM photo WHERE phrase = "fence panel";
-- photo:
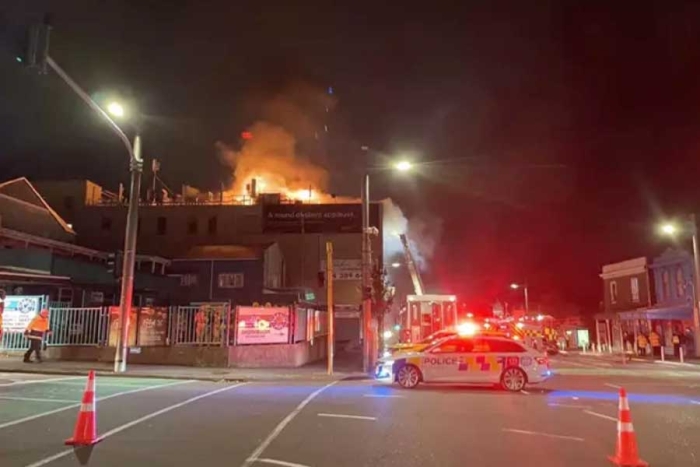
(198, 325)
(78, 326)
(14, 341)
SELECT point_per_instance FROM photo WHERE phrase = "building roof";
(239, 252)
(19, 193)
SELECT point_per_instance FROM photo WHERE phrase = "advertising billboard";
(317, 218)
(19, 311)
(262, 325)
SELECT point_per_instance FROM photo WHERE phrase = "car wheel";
(408, 376)
(513, 379)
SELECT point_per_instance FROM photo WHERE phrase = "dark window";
(106, 223)
(192, 226)
(161, 226)
(211, 227)
(68, 202)
(504, 346)
(138, 227)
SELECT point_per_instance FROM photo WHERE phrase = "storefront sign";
(316, 218)
(153, 326)
(262, 325)
(19, 311)
(345, 269)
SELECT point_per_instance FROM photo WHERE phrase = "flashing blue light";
(19, 59)
(330, 90)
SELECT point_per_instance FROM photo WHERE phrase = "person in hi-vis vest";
(36, 330)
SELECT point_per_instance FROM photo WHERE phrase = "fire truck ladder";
(412, 269)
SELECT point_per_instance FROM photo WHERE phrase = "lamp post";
(136, 168)
(691, 226)
(367, 231)
(515, 286)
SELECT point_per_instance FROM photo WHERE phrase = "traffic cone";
(85, 433)
(626, 454)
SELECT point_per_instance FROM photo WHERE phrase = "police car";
(474, 360)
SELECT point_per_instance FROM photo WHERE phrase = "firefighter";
(676, 344)
(655, 342)
(36, 330)
(642, 344)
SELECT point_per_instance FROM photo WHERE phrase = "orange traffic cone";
(627, 454)
(85, 433)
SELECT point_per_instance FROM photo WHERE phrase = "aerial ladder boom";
(412, 269)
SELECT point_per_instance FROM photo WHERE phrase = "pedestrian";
(655, 342)
(36, 330)
(642, 345)
(676, 339)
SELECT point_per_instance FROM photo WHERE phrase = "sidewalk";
(345, 368)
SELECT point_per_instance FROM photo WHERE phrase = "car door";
(496, 354)
(441, 362)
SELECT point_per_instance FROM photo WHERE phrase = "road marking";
(340, 415)
(37, 381)
(36, 399)
(524, 392)
(73, 406)
(278, 429)
(382, 396)
(569, 406)
(612, 386)
(695, 402)
(548, 435)
(575, 398)
(126, 426)
(277, 462)
(596, 414)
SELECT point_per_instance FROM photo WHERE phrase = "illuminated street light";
(514, 286)
(116, 109)
(669, 229)
(403, 166)
(395, 265)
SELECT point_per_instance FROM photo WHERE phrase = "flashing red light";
(246, 135)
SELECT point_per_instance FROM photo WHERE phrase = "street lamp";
(515, 286)
(132, 216)
(367, 230)
(691, 227)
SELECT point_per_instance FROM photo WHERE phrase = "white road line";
(278, 462)
(548, 435)
(126, 426)
(73, 406)
(383, 396)
(281, 425)
(37, 381)
(36, 399)
(569, 406)
(612, 386)
(524, 392)
(340, 415)
(596, 414)
(695, 402)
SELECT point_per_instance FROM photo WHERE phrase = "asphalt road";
(569, 421)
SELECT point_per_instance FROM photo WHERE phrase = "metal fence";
(13, 341)
(78, 326)
(199, 325)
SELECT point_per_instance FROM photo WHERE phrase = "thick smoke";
(423, 234)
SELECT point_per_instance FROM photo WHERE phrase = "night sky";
(566, 129)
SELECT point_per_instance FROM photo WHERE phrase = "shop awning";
(679, 312)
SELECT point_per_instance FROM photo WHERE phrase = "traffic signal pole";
(366, 280)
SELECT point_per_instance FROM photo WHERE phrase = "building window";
(634, 287)
(188, 280)
(162, 225)
(613, 292)
(211, 225)
(231, 280)
(680, 283)
(192, 226)
(666, 284)
(68, 202)
(106, 223)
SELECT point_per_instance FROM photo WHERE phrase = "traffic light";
(114, 263)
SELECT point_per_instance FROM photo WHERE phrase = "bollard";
(680, 350)
(663, 353)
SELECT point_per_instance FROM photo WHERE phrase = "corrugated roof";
(22, 189)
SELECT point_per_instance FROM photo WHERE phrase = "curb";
(691, 365)
(215, 379)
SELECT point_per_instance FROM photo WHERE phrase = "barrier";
(78, 326)
(199, 325)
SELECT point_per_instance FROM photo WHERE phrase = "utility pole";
(37, 57)
(329, 306)
(366, 280)
(696, 302)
